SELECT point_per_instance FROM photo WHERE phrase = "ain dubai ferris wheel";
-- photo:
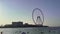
(37, 16)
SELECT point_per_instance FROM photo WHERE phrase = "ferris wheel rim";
(41, 14)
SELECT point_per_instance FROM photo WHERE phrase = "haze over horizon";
(21, 10)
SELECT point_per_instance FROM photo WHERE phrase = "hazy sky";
(21, 10)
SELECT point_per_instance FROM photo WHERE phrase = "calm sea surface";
(27, 31)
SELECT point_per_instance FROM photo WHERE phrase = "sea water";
(30, 30)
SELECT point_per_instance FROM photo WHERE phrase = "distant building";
(17, 23)
(8, 25)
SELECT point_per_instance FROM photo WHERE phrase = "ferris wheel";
(37, 16)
